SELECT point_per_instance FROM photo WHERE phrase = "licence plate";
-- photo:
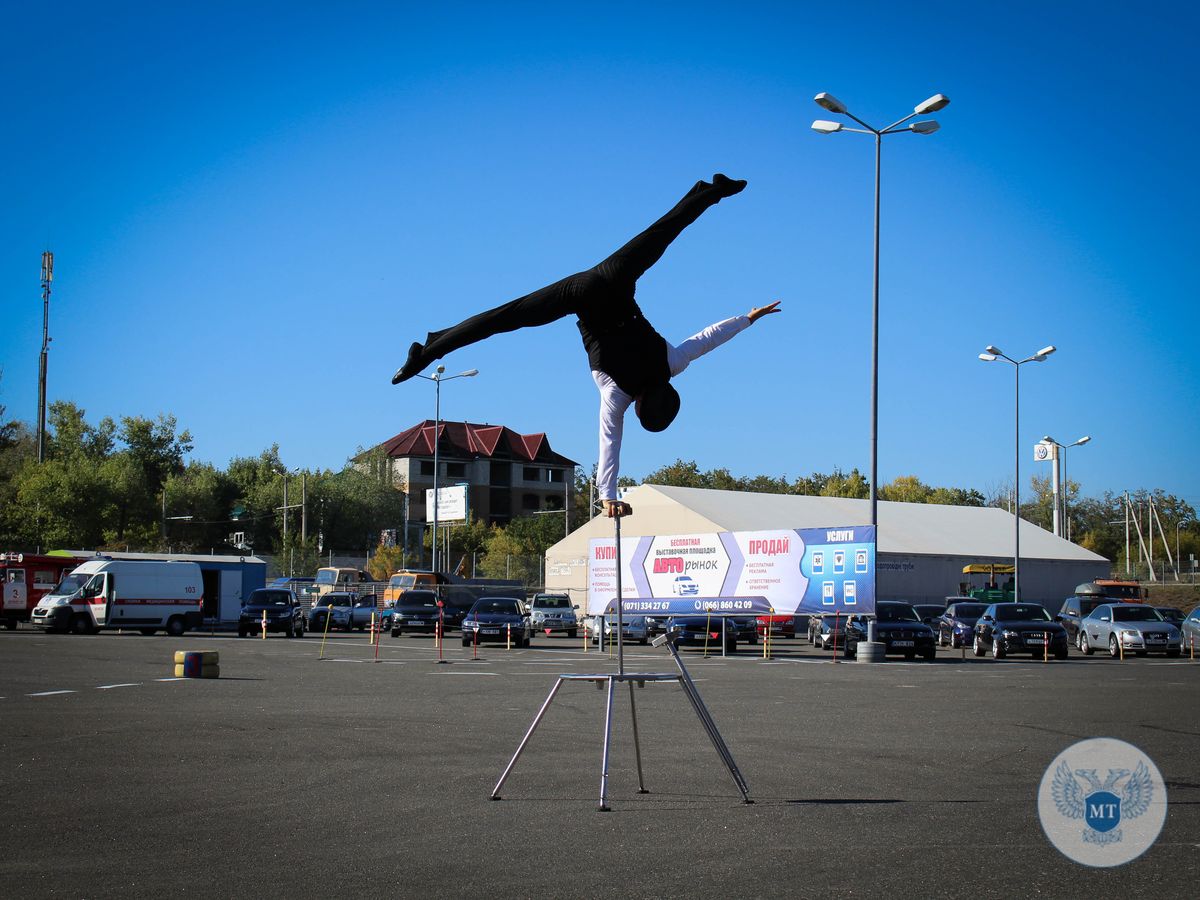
(1156, 638)
(489, 630)
(902, 643)
(1035, 640)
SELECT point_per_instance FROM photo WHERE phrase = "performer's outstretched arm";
(613, 403)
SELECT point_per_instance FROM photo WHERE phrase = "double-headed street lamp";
(927, 126)
(437, 379)
(1063, 527)
(991, 354)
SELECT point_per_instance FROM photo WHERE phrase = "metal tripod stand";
(640, 678)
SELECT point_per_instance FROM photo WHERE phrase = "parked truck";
(27, 577)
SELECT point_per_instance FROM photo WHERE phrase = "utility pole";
(47, 278)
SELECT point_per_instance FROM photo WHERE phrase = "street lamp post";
(927, 126)
(437, 380)
(1065, 529)
(991, 354)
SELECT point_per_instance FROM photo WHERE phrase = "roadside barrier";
(197, 664)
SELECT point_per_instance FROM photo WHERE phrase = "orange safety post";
(264, 625)
(508, 637)
(1045, 646)
(837, 618)
(475, 645)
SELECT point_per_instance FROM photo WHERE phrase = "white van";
(125, 593)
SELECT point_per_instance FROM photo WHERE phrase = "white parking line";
(492, 674)
(49, 693)
(109, 687)
(174, 679)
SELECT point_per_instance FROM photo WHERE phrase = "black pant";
(602, 292)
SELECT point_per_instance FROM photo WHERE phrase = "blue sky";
(255, 208)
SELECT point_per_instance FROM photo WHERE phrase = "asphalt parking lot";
(345, 777)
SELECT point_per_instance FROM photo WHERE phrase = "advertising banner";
(452, 503)
(805, 570)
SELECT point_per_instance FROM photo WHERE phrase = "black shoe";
(414, 364)
(727, 187)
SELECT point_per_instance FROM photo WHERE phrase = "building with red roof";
(507, 474)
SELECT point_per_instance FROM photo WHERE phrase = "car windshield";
(969, 610)
(1087, 605)
(1022, 612)
(326, 576)
(497, 606)
(1136, 614)
(1170, 613)
(70, 585)
(418, 600)
(551, 603)
(896, 612)
(269, 598)
(926, 611)
(402, 582)
(334, 600)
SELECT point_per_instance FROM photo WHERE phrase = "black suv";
(282, 610)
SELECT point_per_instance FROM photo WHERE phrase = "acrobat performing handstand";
(631, 362)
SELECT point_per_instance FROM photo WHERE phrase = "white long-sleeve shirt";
(614, 401)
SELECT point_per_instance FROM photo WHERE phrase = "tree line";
(127, 485)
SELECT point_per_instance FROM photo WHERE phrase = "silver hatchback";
(1124, 628)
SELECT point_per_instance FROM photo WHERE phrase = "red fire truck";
(25, 578)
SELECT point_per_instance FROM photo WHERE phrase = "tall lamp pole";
(1065, 527)
(991, 354)
(928, 126)
(437, 378)
(43, 358)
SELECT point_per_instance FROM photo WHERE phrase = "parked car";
(956, 626)
(1129, 628)
(929, 613)
(703, 631)
(814, 624)
(1191, 629)
(330, 611)
(781, 626)
(416, 612)
(746, 627)
(828, 632)
(498, 619)
(1171, 614)
(1006, 628)
(1074, 610)
(897, 627)
(282, 609)
(364, 608)
(633, 628)
(554, 612)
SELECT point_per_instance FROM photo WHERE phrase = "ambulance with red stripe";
(141, 595)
